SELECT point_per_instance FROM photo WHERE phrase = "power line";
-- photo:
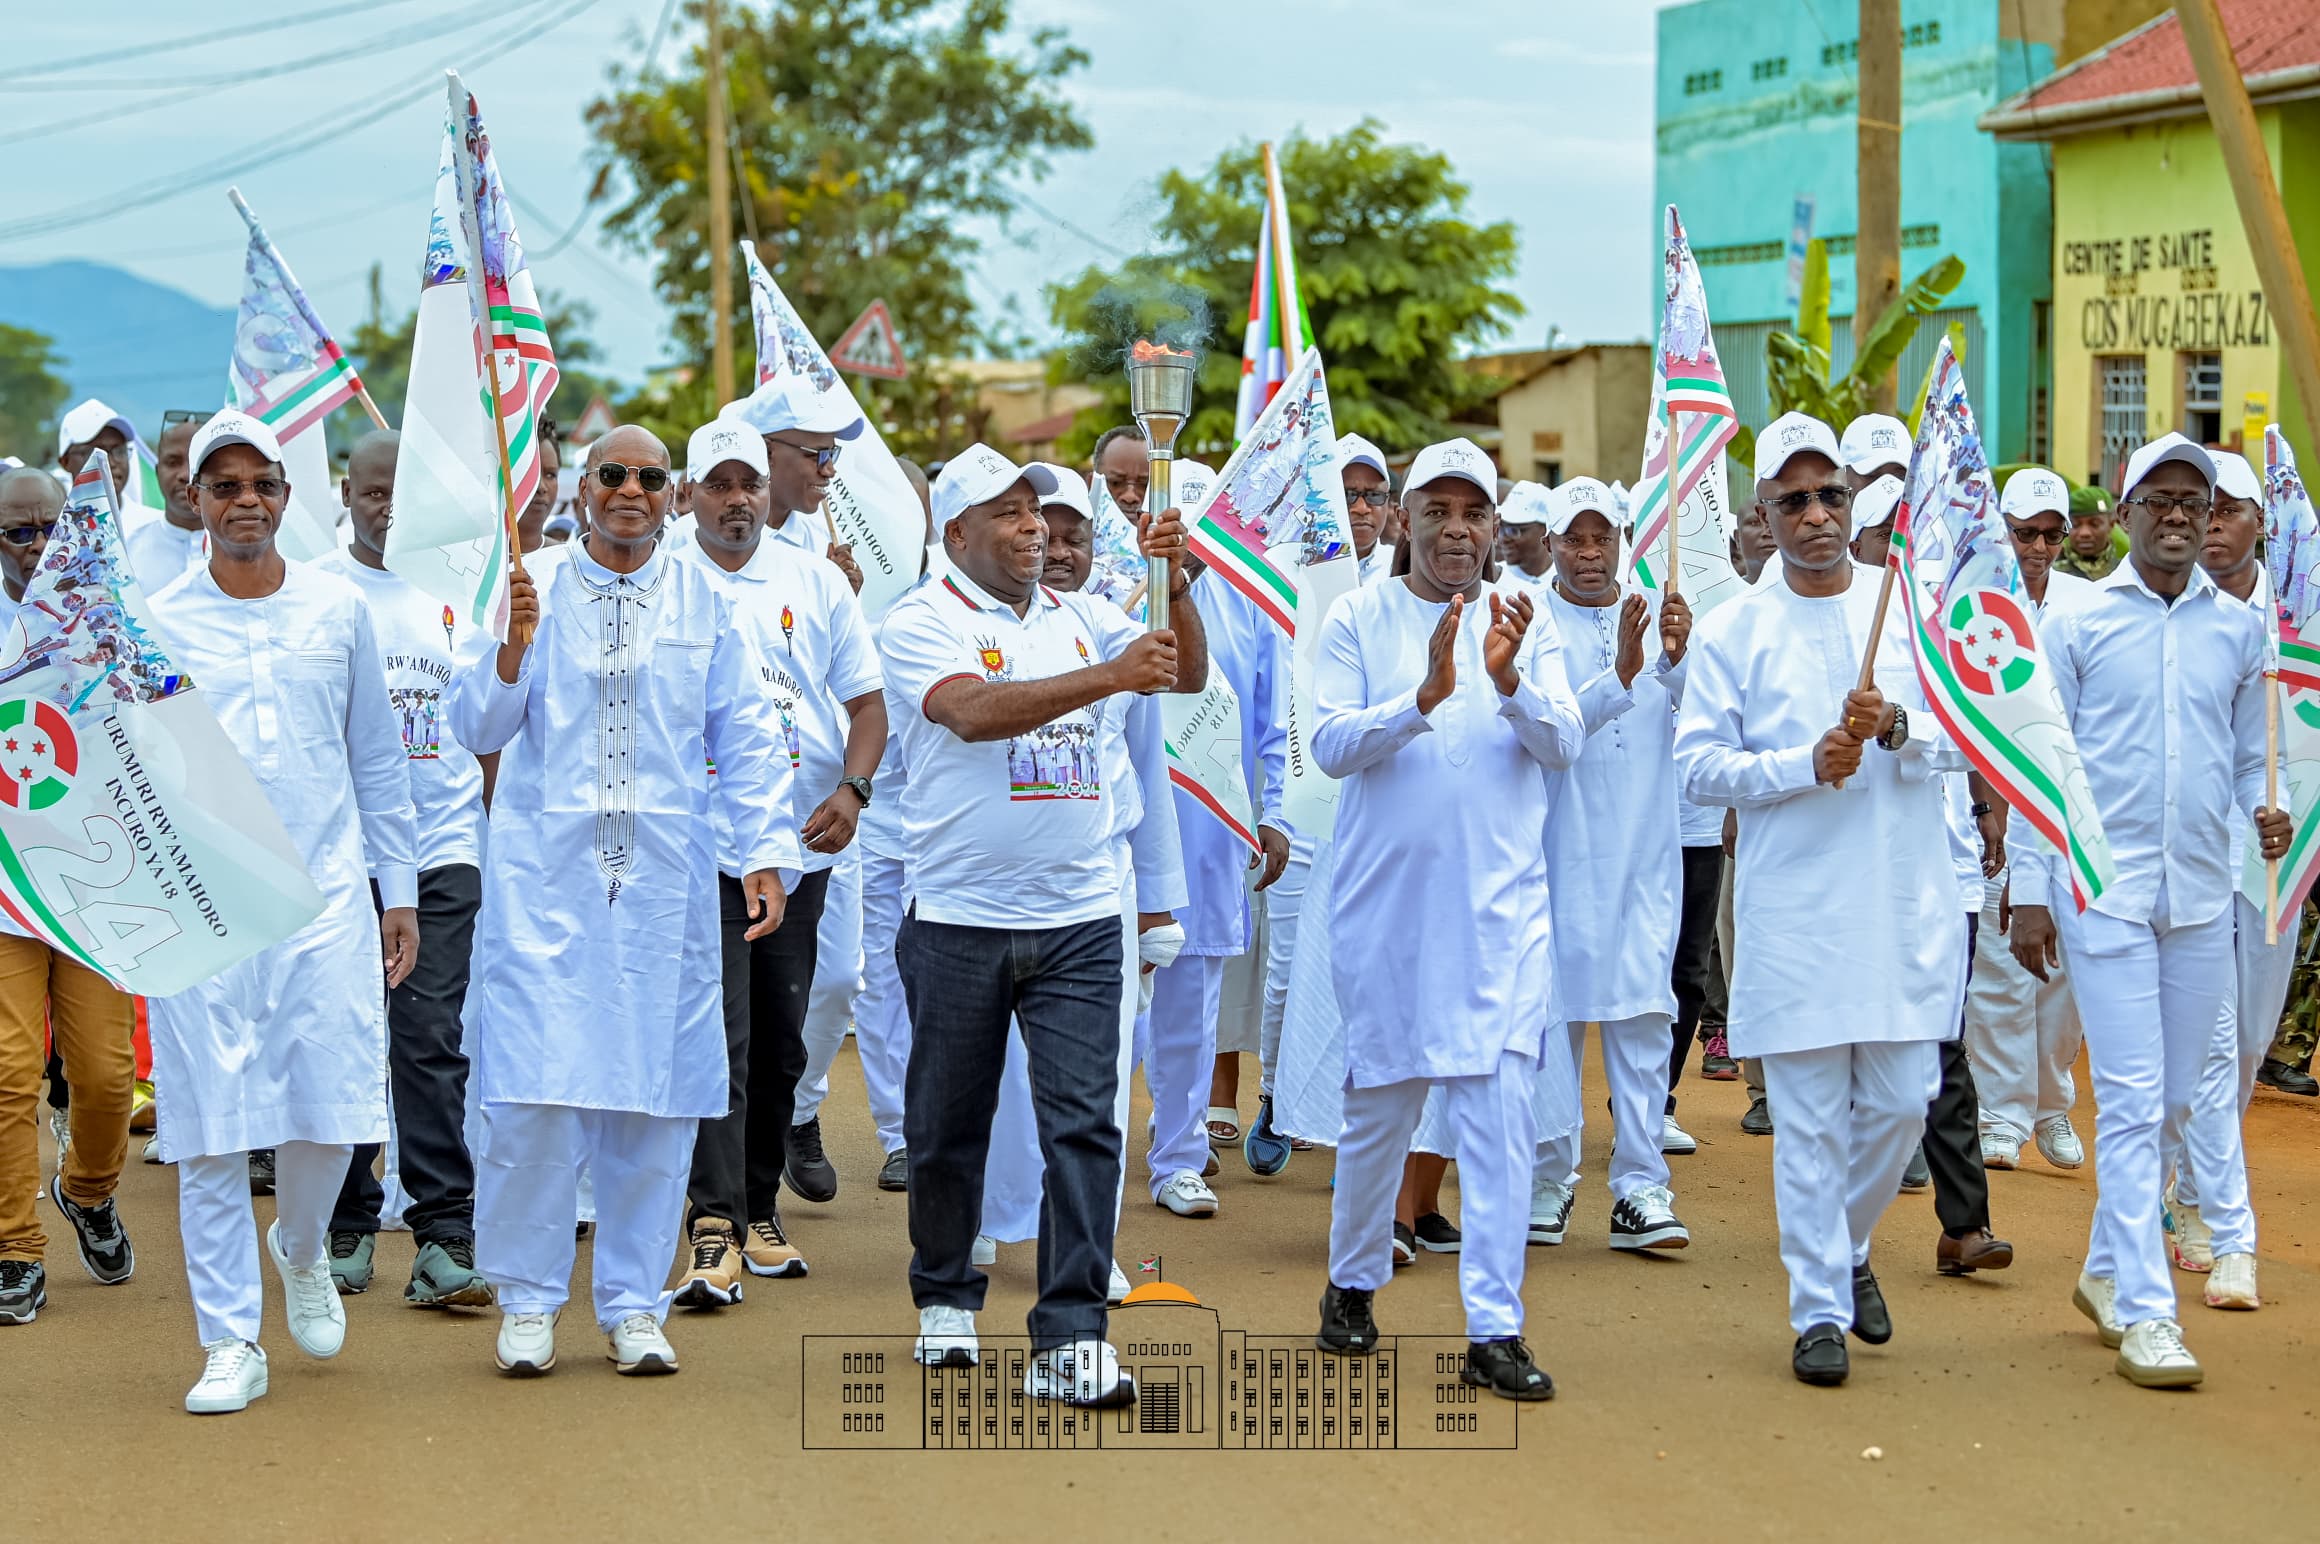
(1052, 218)
(153, 46)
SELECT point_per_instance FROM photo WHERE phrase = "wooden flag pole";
(1876, 631)
(2271, 802)
(520, 637)
(298, 296)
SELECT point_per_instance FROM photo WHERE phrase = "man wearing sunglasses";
(595, 1008)
(1369, 504)
(805, 433)
(286, 1050)
(2162, 677)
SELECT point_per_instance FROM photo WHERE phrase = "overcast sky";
(1543, 106)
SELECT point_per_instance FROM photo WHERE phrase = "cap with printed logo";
(2034, 491)
(85, 421)
(1874, 440)
(1791, 435)
(2166, 448)
(1527, 503)
(230, 427)
(1572, 499)
(1873, 506)
(980, 474)
(789, 402)
(1353, 450)
(1462, 459)
(722, 440)
(1070, 490)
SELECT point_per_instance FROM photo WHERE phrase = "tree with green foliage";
(1397, 279)
(31, 394)
(865, 134)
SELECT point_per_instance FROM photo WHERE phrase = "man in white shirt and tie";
(2173, 762)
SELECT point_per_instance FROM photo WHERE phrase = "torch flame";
(1146, 350)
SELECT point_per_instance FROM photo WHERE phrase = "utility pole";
(2280, 270)
(718, 155)
(1877, 231)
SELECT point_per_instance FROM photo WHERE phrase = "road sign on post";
(870, 346)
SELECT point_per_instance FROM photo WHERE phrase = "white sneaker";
(2152, 1356)
(985, 1252)
(1646, 1219)
(946, 1337)
(2000, 1151)
(1675, 1139)
(1550, 1210)
(234, 1375)
(152, 1153)
(1187, 1195)
(2190, 1241)
(639, 1347)
(2098, 1298)
(2232, 1284)
(309, 1300)
(2058, 1142)
(1117, 1292)
(527, 1343)
(1086, 1372)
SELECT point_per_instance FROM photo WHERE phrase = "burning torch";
(1160, 395)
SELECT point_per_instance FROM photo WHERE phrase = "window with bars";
(2041, 436)
(2202, 397)
(2121, 385)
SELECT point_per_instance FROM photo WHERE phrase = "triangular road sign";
(870, 346)
(596, 421)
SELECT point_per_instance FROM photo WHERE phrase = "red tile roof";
(2266, 36)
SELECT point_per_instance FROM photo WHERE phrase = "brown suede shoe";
(713, 1279)
(1975, 1252)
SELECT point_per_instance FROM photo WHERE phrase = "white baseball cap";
(1874, 505)
(1353, 450)
(980, 474)
(2166, 448)
(2234, 478)
(1454, 458)
(1527, 503)
(1193, 480)
(1790, 435)
(230, 426)
(2034, 491)
(85, 421)
(721, 440)
(1572, 499)
(1070, 490)
(1874, 440)
(789, 402)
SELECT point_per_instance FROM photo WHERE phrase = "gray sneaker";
(444, 1276)
(1758, 1121)
(350, 1262)
(1919, 1174)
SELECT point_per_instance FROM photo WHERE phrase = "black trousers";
(426, 1074)
(1953, 1139)
(738, 1158)
(1062, 985)
(1695, 960)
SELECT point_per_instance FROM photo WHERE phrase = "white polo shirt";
(1007, 834)
(810, 645)
(422, 644)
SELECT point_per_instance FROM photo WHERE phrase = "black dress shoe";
(2279, 1075)
(1347, 1329)
(1505, 1368)
(1758, 1121)
(1871, 1322)
(894, 1174)
(1820, 1357)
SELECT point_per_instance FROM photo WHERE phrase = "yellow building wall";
(2150, 259)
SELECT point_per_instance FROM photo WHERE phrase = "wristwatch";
(861, 787)
(1897, 736)
(1981, 809)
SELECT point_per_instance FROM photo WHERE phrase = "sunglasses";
(230, 488)
(825, 456)
(612, 475)
(1380, 497)
(184, 415)
(2024, 536)
(1832, 498)
(26, 535)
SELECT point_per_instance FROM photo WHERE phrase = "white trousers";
(1635, 1063)
(837, 982)
(1176, 1042)
(527, 1191)
(2205, 1151)
(2150, 993)
(223, 1269)
(2022, 1035)
(881, 1017)
(1492, 1131)
(1850, 1115)
(1282, 902)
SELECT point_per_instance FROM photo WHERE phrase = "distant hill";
(142, 346)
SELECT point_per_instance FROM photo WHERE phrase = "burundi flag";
(133, 837)
(1281, 489)
(1971, 634)
(2292, 572)
(1691, 418)
(1279, 331)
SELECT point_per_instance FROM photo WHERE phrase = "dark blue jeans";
(1062, 985)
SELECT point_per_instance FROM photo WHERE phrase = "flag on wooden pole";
(1691, 418)
(1279, 332)
(2292, 576)
(1281, 487)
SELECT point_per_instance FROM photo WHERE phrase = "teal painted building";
(1756, 110)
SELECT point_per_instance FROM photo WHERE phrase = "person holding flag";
(1842, 841)
(2173, 765)
(289, 658)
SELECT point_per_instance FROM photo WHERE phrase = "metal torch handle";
(1157, 498)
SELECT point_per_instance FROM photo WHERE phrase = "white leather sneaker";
(1117, 1292)
(2098, 1298)
(2232, 1284)
(527, 1344)
(1086, 1372)
(1550, 1210)
(2152, 1356)
(2058, 1142)
(234, 1375)
(2000, 1151)
(638, 1347)
(985, 1252)
(1187, 1195)
(2190, 1241)
(946, 1337)
(309, 1300)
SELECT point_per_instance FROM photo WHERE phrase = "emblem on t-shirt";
(421, 710)
(1084, 657)
(450, 620)
(788, 627)
(1056, 761)
(994, 661)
